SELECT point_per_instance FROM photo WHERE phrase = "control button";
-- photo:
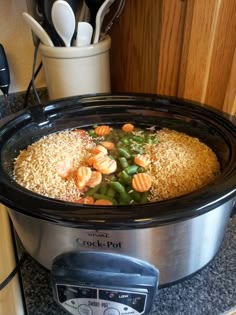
(85, 310)
(111, 311)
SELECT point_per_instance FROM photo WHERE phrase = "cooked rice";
(35, 167)
(180, 164)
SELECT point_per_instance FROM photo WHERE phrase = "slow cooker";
(110, 260)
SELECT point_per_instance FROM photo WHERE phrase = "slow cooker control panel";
(94, 301)
(95, 283)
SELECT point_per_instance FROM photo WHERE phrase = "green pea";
(125, 141)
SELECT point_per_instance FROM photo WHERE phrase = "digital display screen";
(68, 292)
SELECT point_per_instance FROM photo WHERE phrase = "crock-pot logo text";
(99, 244)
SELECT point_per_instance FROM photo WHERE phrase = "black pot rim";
(169, 211)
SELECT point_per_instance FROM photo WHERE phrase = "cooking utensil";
(4, 72)
(93, 6)
(37, 29)
(179, 236)
(63, 20)
(84, 34)
(4, 80)
(83, 14)
(103, 10)
(112, 20)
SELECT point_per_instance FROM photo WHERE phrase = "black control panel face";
(80, 300)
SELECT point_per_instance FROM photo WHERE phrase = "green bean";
(118, 187)
(144, 197)
(125, 197)
(93, 190)
(124, 163)
(103, 189)
(101, 196)
(131, 169)
(111, 192)
(136, 196)
(127, 179)
(138, 139)
(123, 152)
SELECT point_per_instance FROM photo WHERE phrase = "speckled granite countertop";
(211, 291)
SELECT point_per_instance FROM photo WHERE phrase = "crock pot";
(165, 241)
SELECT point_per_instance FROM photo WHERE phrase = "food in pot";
(110, 166)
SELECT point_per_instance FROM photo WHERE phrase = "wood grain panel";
(171, 42)
(230, 97)
(198, 59)
(222, 55)
(135, 47)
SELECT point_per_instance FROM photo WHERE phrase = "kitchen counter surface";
(211, 291)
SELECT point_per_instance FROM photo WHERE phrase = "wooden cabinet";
(184, 48)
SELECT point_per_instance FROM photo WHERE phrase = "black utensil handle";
(4, 72)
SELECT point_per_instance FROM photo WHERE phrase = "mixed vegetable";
(116, 171)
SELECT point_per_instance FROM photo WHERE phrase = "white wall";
(16, 38)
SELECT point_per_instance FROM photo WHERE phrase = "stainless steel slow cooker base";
(177, 249)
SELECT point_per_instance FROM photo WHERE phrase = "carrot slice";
(92, 158)
(128, 127)
(81, 132)
(88, 200)
(105, 165)
(64, 168)
(103, 202)
(102, 130)
(142, 160)
(99, 149)
(83, 175)
(141, 182)
(95, 179)
(108, 145)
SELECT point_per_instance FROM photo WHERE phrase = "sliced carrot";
(108, 145)
(103, 202)
(142, 160)
(81, 132)
(99, 149)
(141, 182)
(128, 127)
(92, 158)
(95, 179)
(88, 200)
(83, 175)
(105, 165)
(65, 168)
(102, 130)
